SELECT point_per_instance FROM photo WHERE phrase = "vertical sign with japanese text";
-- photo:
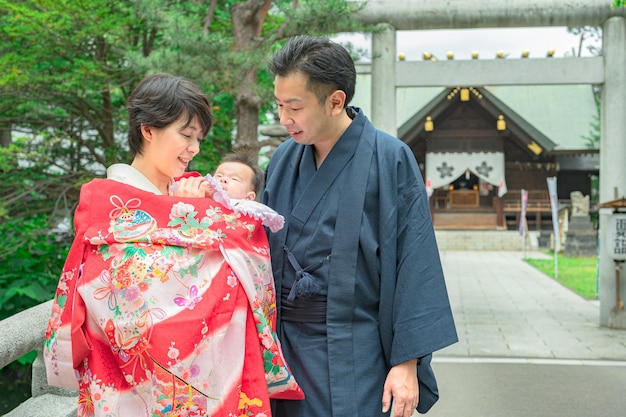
(616, 237)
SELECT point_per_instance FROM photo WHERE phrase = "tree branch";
(208, 19)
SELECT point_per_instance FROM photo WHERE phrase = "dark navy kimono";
(358, 232)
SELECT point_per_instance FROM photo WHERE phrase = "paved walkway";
(527, 345)
(505, 308)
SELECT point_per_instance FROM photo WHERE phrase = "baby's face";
(236, 179)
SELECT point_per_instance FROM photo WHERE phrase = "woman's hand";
(193, 187)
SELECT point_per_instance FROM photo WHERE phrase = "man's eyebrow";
(289, 100)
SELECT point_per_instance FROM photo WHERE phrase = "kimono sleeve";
(65, 343)
(423, 321)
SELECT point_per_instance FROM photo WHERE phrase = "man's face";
(299, 110)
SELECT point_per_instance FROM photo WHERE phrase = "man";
(361, 293)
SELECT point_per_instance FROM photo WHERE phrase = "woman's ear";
(146, 131)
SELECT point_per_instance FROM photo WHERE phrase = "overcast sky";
(487, 42)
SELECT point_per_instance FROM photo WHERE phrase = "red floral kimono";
(166, 307)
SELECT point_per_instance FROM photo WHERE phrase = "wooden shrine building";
(477, 151)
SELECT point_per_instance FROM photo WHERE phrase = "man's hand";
(401, 385)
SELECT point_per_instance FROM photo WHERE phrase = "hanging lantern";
(429, 126)
(501, 124)
(465, 94)
(535, 147)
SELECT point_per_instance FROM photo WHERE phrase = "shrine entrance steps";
(477, 229)
(465, 220)
(488, 240)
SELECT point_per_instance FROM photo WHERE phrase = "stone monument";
(581, 238)
(580, 204)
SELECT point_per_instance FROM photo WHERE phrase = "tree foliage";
(226, 44)
(64, 78)
(592, 139)
(588, 38)
(31, 272)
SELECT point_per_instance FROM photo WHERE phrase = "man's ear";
(337, 100)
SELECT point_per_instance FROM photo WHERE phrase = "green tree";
(64, 78)
(225, 44)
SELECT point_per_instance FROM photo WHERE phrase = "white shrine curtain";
(442, 168)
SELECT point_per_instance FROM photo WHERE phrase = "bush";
(31, 259)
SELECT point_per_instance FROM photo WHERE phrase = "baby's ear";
(251, 195)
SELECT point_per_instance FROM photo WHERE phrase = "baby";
(239, 176)
(235, 184)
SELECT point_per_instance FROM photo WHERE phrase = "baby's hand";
(209, 191)
(192, 187)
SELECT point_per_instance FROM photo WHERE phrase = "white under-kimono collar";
(126, 174)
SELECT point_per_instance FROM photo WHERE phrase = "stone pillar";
(612, 157)
(383, 85)
(39, 382)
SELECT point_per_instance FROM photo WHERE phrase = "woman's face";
(168, 150)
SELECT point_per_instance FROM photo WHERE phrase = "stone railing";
(23, 333)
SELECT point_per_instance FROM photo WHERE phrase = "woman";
(166, 304)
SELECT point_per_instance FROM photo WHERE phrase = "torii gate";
(608, 70)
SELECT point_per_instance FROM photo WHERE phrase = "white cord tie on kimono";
(305, 285)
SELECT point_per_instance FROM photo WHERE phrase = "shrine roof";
(558, 116)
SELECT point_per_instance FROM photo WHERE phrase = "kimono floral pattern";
(166, 310)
